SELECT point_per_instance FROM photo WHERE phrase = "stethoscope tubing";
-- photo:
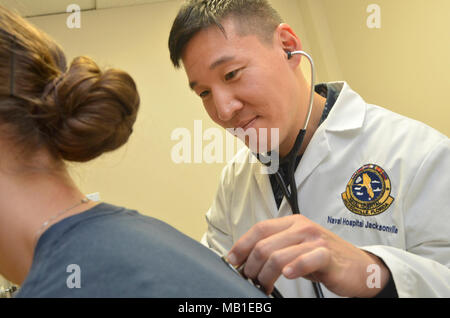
(291, 196)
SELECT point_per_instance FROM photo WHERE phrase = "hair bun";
(94, 111)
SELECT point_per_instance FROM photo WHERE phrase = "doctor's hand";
(295, 247)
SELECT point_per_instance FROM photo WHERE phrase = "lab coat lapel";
(316, 154)
(348, 113)
(313, 156)
(311, 159)
(265, 188)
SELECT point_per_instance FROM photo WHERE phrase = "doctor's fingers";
(308, 265)
(244, 246)
(265, 249)
(277, 262)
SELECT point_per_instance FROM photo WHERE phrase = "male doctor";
(372, 185)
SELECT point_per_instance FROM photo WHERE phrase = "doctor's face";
(244, 83)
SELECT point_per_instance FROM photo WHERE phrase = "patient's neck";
(27, 200)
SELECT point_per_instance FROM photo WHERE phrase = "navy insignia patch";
(368, 191)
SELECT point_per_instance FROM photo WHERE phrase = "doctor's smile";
(247, 124)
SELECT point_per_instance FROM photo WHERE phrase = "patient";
(53, 241)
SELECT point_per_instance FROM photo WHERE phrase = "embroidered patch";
(368, 191)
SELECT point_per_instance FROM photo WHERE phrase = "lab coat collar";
(348, 112)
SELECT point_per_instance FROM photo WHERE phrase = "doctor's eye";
(203, 94)
(229, 76)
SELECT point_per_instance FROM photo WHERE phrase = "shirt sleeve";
(422, 270)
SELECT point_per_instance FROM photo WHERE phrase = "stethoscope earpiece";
(289, 55)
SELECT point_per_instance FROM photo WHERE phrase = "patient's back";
(110, 251)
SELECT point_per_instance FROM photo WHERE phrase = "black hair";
(251, 17)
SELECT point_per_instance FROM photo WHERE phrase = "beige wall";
(402, 66)
(142, 175)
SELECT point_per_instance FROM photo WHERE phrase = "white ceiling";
(30, 8)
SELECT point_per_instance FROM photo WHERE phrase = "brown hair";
(76, 114)
(251, 17)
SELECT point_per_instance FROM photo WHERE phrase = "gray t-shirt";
(110, 251)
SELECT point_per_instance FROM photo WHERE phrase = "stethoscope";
(290, 159)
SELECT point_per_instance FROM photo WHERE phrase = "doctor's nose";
(227, 107)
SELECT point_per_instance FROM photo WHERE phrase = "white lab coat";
(412, 236)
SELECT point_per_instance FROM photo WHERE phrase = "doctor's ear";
(287, 39)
